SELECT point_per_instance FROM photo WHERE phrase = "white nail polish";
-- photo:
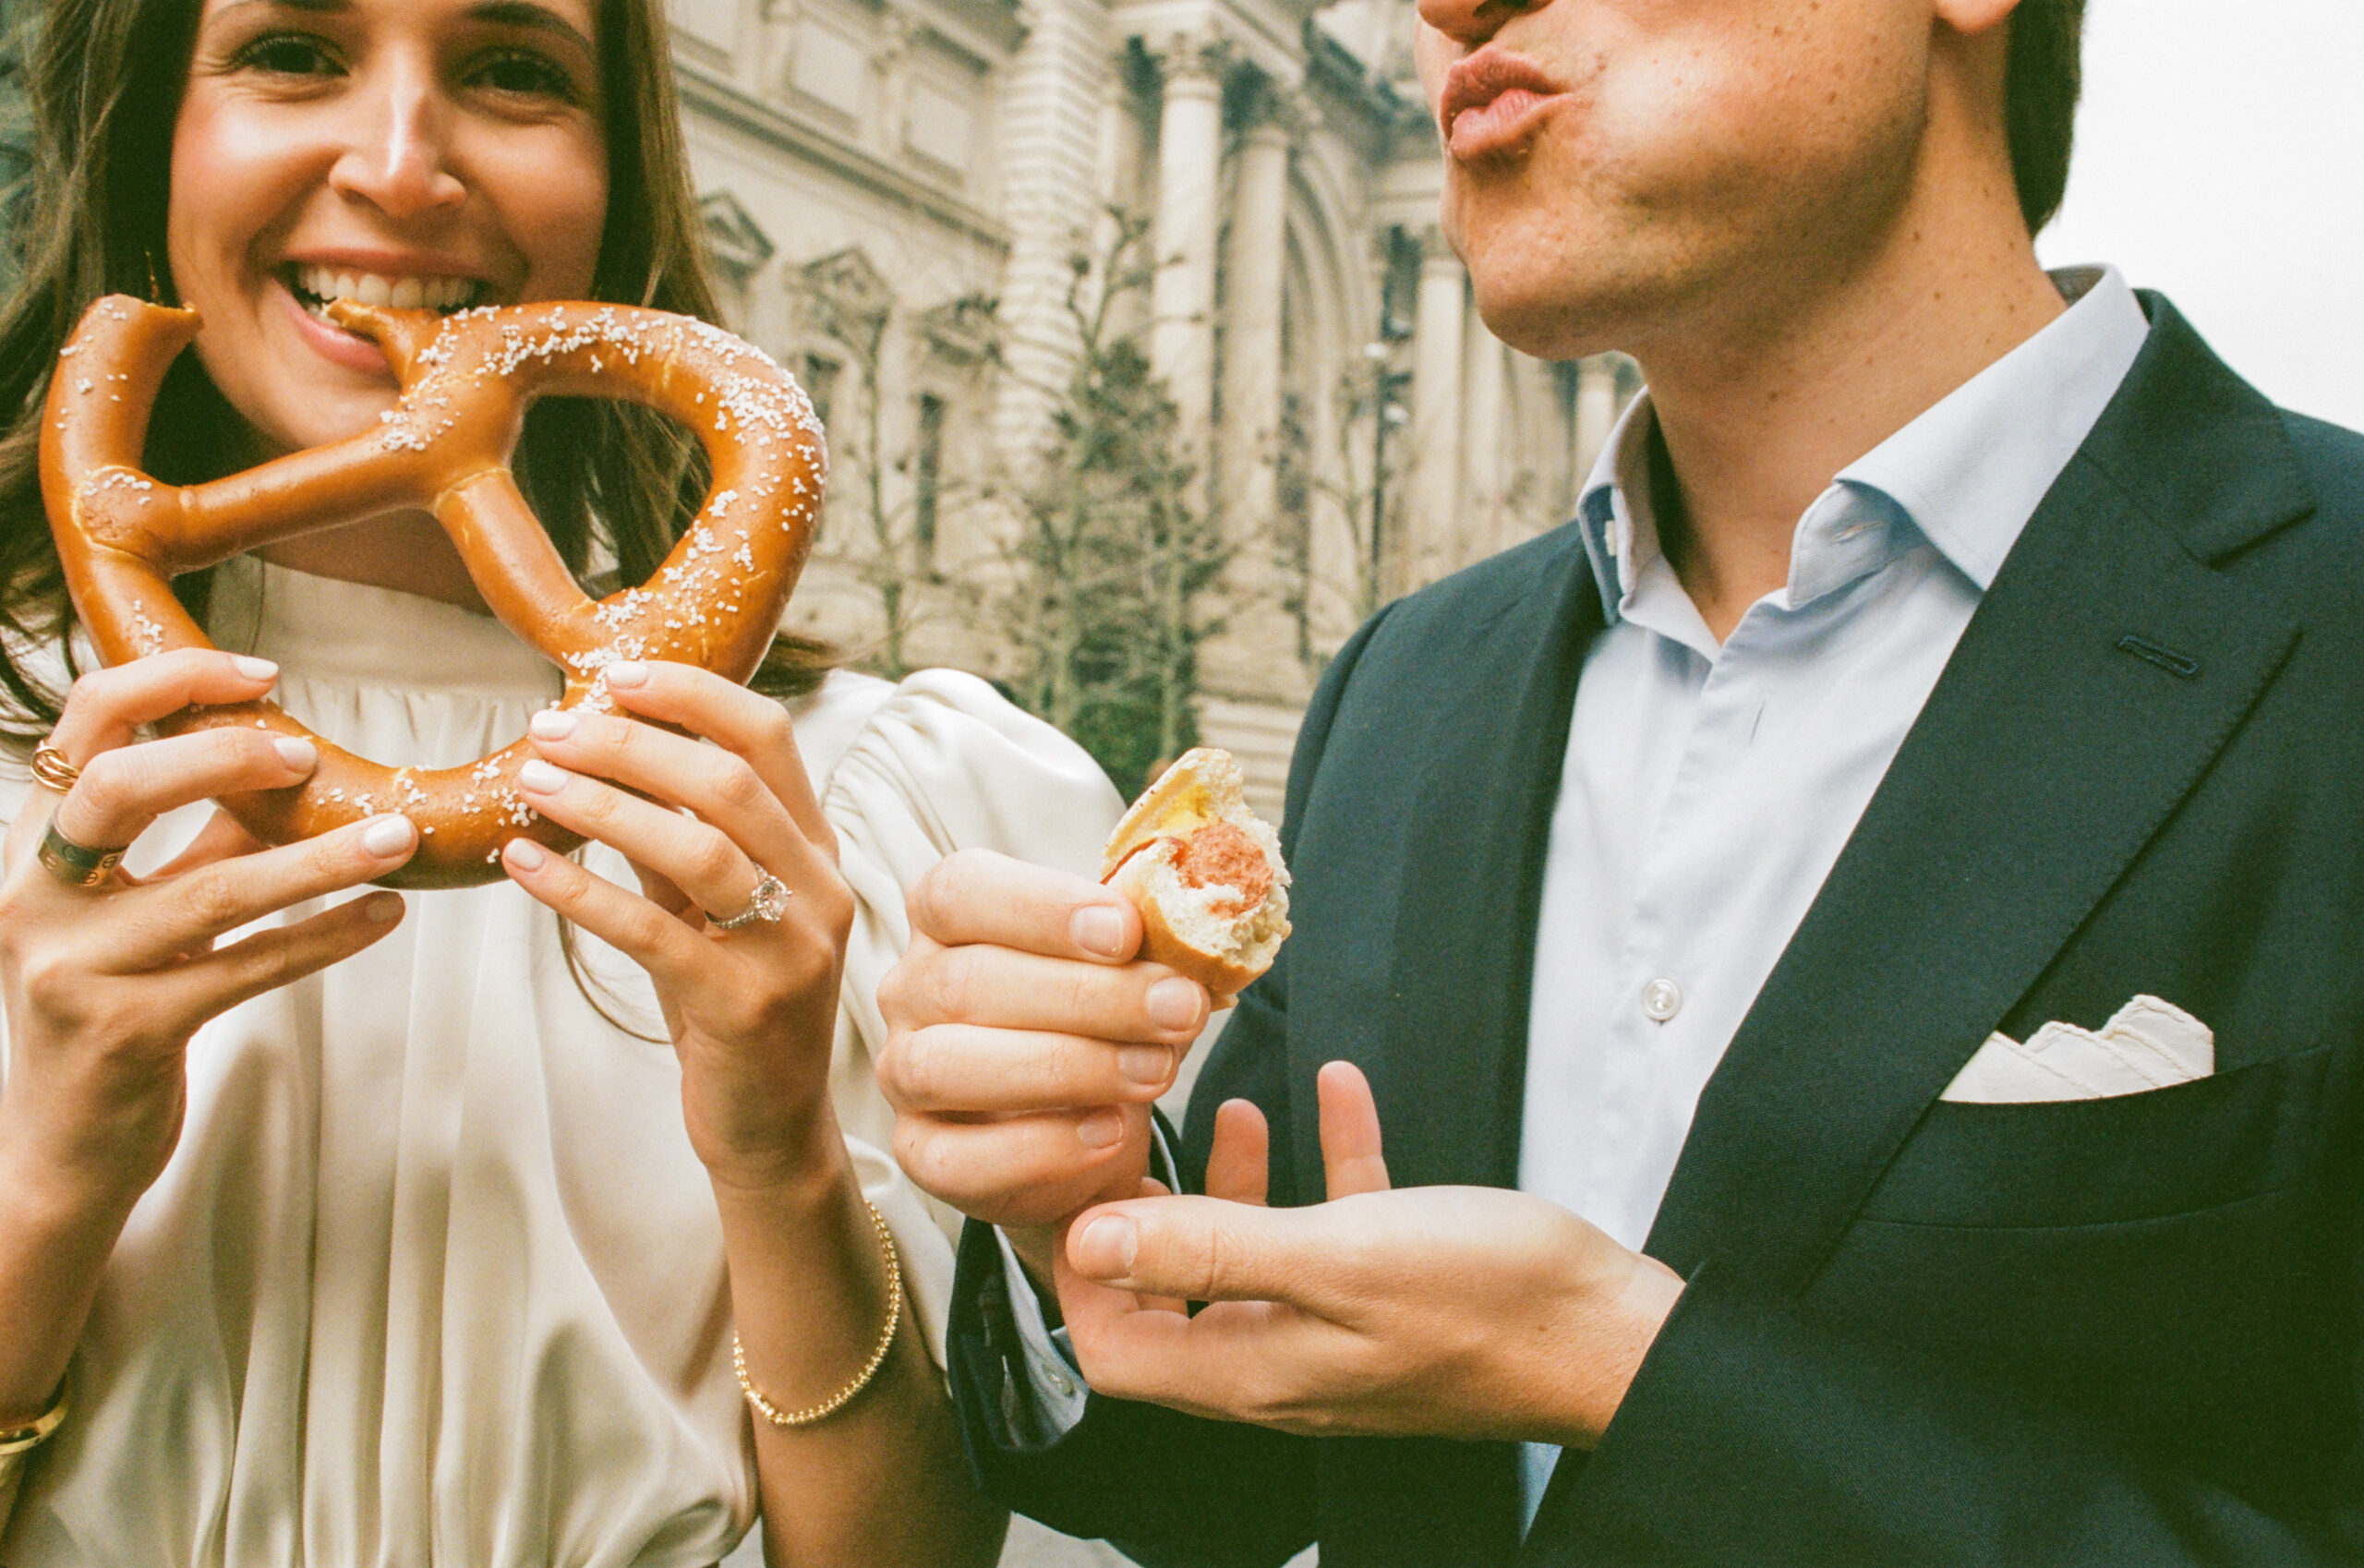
(552, 724)
(541, 777)
(388, 835)
(255, 668)
(526, 855)
(627, 672)
(295, 753)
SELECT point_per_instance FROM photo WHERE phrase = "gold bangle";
(837, 1401)
(19, 1440)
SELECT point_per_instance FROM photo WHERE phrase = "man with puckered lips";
(1828, 1001)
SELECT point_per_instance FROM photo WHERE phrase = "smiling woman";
(341, 1226)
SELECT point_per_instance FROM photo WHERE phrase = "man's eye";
(520, 71)
(287, 55)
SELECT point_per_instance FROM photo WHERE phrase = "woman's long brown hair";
(608, 479)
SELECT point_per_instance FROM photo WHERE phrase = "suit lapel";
(2105, 669)
(1450, 1087)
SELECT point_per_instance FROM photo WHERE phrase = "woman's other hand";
(104, 985)
(752, 1010)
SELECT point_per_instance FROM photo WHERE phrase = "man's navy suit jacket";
(2108, 1331)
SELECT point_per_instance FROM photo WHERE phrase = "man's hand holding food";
(1027, 1043)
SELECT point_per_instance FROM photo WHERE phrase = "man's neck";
(1761, 406)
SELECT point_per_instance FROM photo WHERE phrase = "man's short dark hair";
(2040, 102)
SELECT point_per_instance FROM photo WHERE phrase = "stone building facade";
(897, 191)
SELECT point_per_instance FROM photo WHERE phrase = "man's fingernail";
(255, 668)
(1173, 1003)
(1098, 928)
(1101, 1128)
(388, 835)
(1145, 1064)
(552, 724)
(628, 672)
(381, 908)
(541, 777)
(526, 855)
(296, 753)
(1106, 1247)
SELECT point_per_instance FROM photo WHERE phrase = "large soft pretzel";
(466, 383)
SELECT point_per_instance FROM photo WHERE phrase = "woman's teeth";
(316, 287)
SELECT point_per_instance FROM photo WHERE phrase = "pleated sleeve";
(938, 763)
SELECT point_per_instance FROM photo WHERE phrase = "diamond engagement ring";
(767, 903)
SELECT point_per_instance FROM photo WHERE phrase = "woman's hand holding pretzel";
(752, 1010)
(104, 985)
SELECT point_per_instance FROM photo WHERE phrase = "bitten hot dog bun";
(1205, 872)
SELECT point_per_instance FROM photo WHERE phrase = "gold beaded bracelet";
(837, 1401)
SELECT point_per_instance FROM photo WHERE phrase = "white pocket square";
(2150, 1045)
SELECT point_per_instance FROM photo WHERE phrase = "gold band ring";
(77, 865)
(52, 770)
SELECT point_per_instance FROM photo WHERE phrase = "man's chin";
(1548, 313)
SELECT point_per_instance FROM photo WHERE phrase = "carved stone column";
(1251, 338)
(1182, 294)
(1051, 107)
(1486, 443)
(1595, 411)
(1435, 480)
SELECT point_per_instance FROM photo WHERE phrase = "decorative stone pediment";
(847, 298)
(963, 331)
(851, 283)
(733, 238)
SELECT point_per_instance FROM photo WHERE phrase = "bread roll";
(1205, 872)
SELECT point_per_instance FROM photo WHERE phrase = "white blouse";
(433, 1275)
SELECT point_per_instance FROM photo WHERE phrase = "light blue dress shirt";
(1708, 790)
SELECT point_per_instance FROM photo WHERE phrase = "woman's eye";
(287, 55)
(519, 71)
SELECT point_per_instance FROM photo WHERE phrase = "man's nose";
(1471, 22)
(398, 155)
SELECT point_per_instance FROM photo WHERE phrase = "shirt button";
(1661, 999)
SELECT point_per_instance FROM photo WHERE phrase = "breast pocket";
(2199, 1145)
(2160, 1259)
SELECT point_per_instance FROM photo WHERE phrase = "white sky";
(2220, 160)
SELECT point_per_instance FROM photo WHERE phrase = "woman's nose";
(398, 155)
(1471, 22)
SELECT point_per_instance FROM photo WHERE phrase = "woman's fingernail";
(628, 672)
(1173, 1003)
(552, 724)
(296, 753)
(389, 835)
(382, 909)
(1145, 1064)
(1098, 928)
(255, 668)
(541, 777)
(1105, 1248)
(1100, 1127)
(526, 855)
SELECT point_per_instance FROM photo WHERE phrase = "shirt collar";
(1966, 475)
